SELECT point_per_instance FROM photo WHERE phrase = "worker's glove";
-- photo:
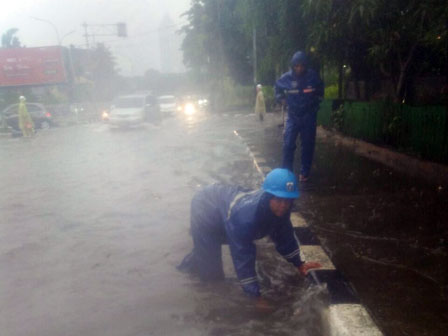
(305, 267)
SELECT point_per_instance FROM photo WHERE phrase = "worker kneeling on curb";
(230, 215)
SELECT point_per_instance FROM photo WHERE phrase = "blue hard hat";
(299, 58)
(281, 183)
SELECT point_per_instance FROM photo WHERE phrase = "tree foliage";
(215, 42)
(400, 31)
(10, 40)
(374, 39)
(95, 68)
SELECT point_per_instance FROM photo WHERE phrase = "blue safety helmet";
(299, 58)
(281, 183)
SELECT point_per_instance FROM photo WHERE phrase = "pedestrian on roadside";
(260, 106)
(26, 124)
(231, 215)
(301, 90)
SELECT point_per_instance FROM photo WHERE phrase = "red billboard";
(32, 66)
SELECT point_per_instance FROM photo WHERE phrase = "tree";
(400, 30)
(217, 48)
(373, 39)
(279, 33)
(9, 40)
(103, 72)
(215, 43)
(95, 70)
(338, 33)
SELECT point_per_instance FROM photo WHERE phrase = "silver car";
(132, 110)
(167, 104)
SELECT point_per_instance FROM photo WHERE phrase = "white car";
(167, 104)
(131, 110)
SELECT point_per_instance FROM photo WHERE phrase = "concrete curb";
(430, 171)
(345, 315)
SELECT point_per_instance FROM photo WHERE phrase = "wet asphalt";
(94, 220)
(387, 232)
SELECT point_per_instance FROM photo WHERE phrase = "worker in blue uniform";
(230, 215)
(302, 90)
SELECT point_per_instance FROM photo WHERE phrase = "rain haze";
(223, 168)
(146, 20)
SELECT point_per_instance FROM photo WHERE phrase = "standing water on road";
(94, 221)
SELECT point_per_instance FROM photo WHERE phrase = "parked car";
(132, 110)
(189, 105)
(167, 104)
(42, 118)
(203, 102)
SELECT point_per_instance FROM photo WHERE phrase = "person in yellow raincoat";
(260, 106)
(26, 124)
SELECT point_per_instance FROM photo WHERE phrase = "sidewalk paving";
(385, 231)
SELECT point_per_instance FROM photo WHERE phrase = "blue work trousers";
(208, 236)
(304, 125)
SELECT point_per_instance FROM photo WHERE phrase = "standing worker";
(302, 90)
(26, 124)
(260, 106)
(230, 215)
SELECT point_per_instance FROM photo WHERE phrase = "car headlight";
(189, 109)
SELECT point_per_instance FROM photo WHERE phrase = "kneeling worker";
(230, 215)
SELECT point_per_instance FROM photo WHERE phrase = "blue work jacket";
(302, 93)
(245, 217)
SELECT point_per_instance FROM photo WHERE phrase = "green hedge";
(324, 115)
(420, 130)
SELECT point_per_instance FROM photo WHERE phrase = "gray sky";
(135, 54)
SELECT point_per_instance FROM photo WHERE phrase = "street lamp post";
(63, 37)
(51, 24)
(60, 40)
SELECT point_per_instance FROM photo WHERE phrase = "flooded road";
(94, 221)
(385, 231)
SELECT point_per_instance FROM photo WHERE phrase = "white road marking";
(348, 320)
(297, 220)
(316, 253)
(260, 161)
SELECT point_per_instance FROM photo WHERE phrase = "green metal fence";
(422, 131)
(426, 131)
(324, 115)
(362, 121)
